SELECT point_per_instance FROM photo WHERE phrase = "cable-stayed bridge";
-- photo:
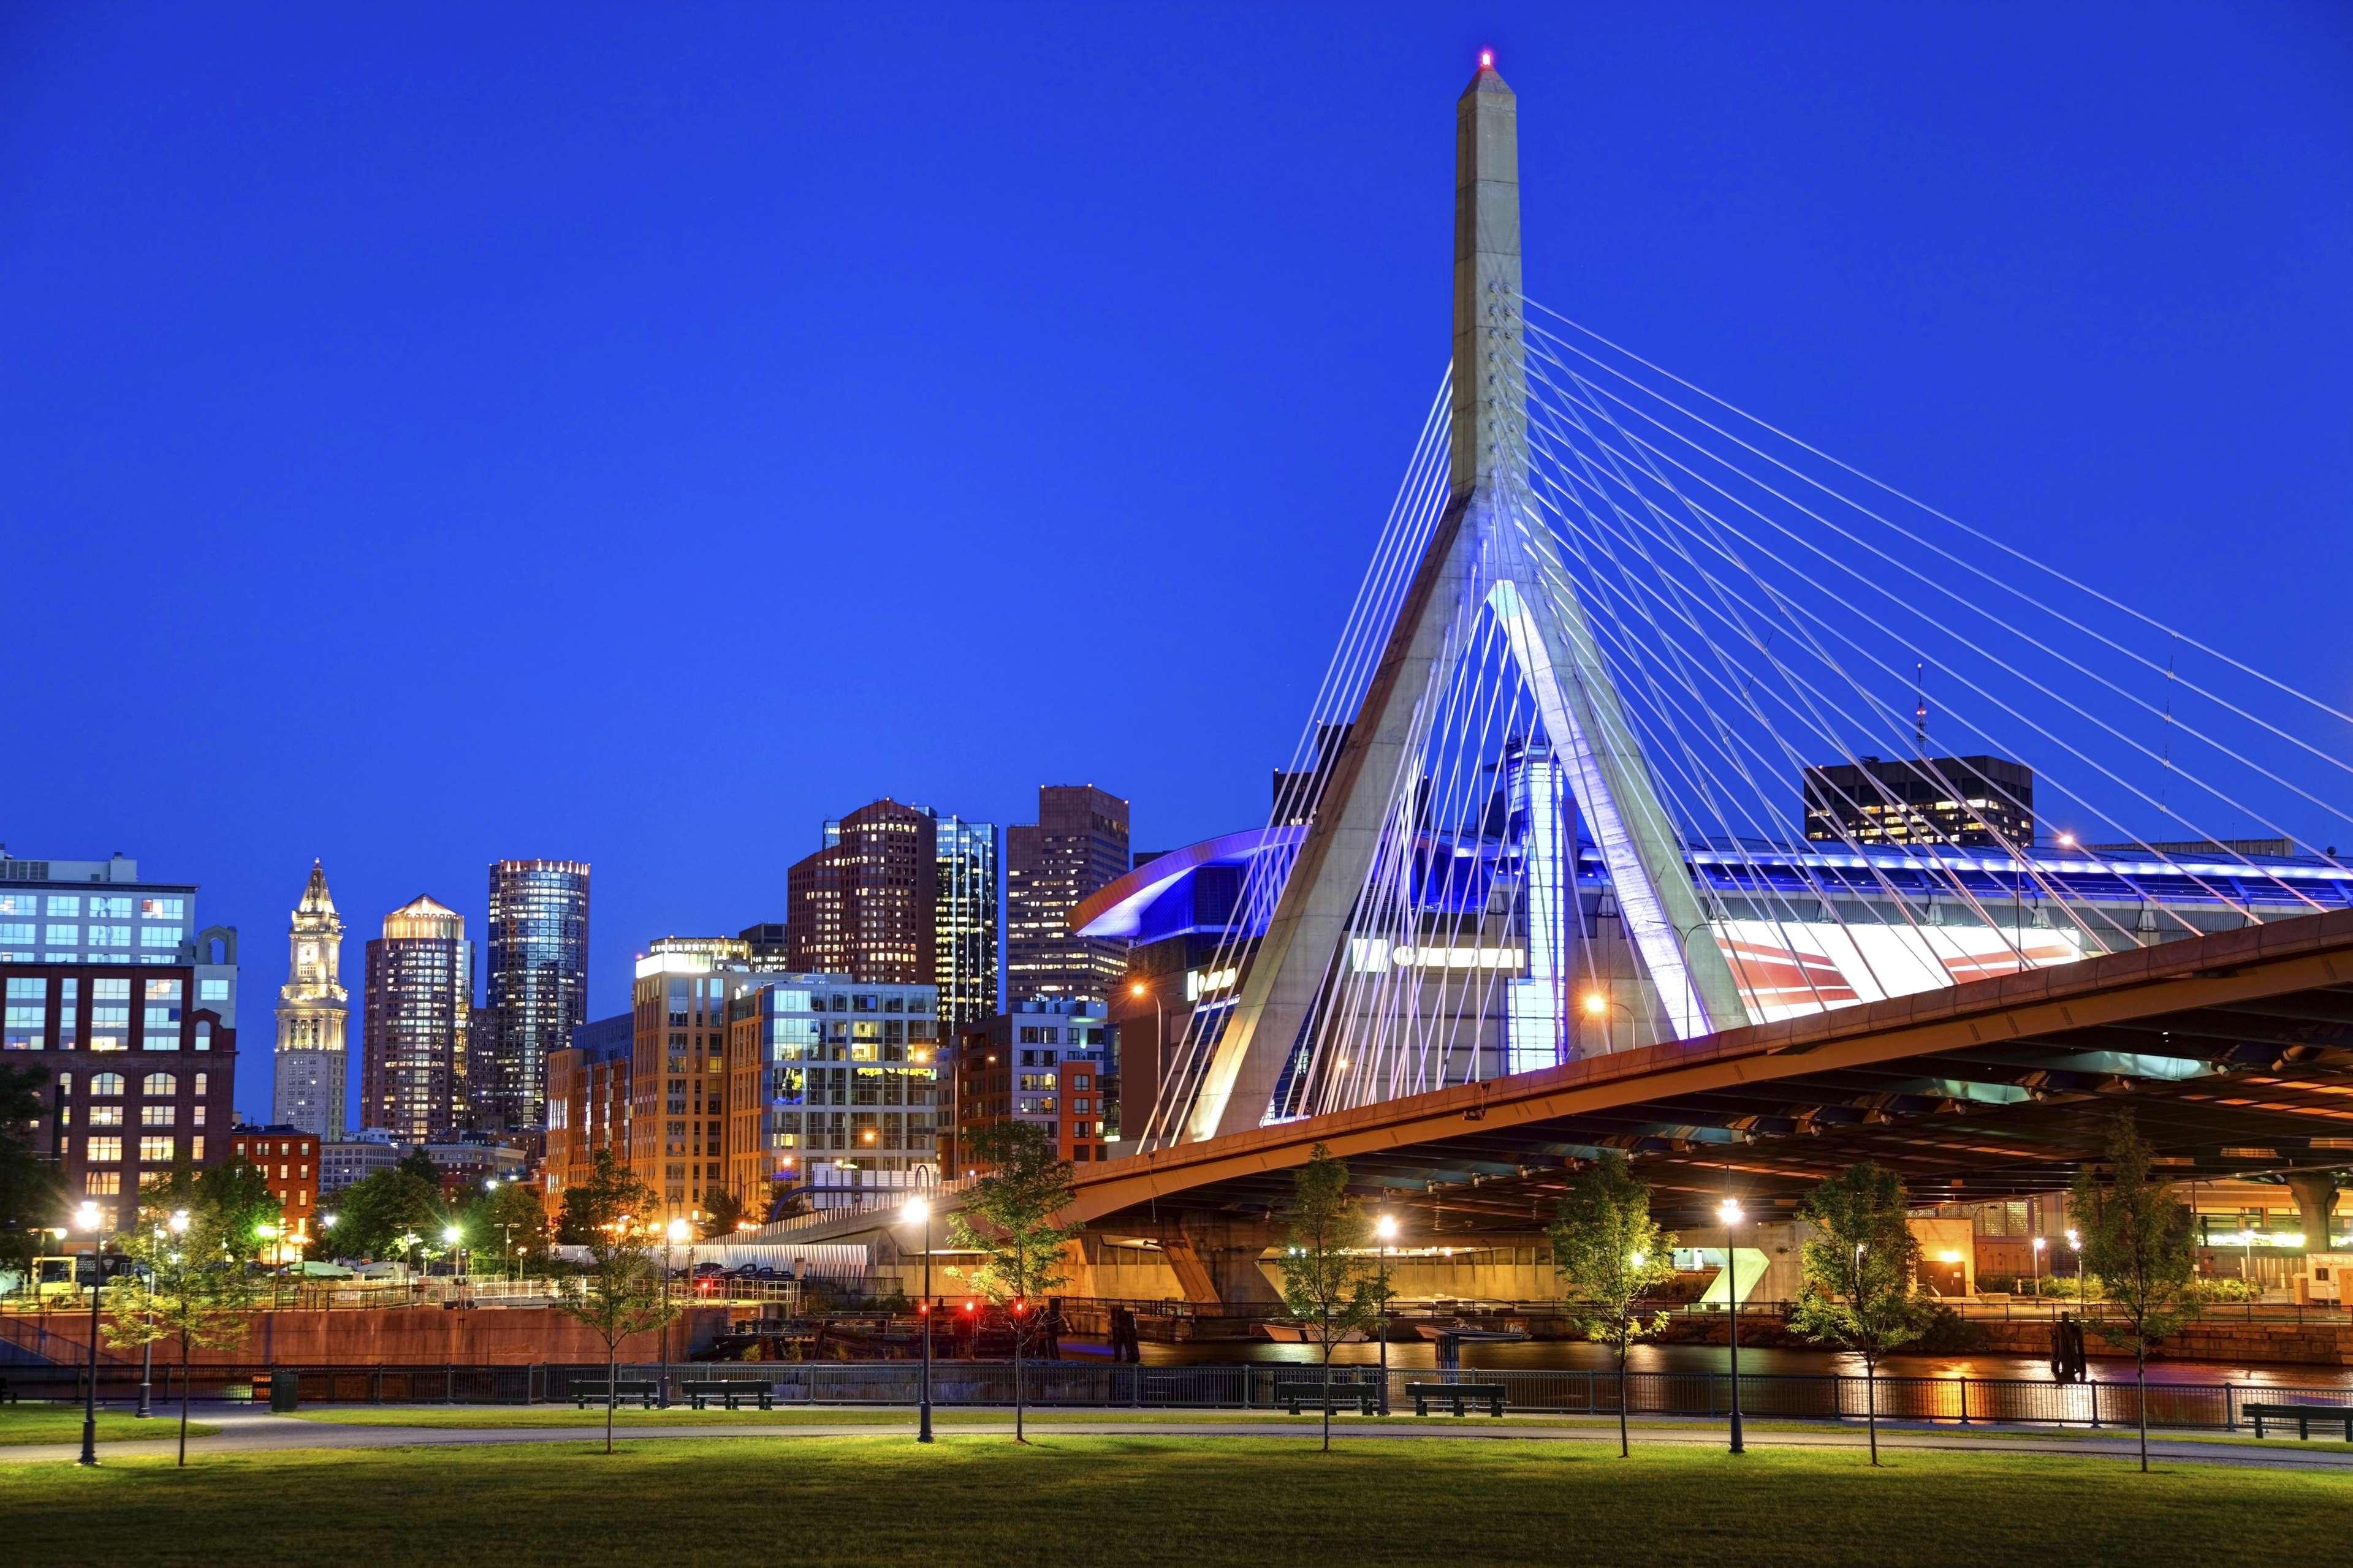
(1678, 787)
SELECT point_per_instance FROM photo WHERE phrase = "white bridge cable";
(2011, 550)
(2008, 669)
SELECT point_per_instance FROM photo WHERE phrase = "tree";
(192, 1283)
(2137, 1238)
(30, 1193)
(622, 1292)
(1859, 1271)
(722, 1212)
(508, 1222)
(1611, 1253)
(1009, 1218)
(1328, 1281)
(236, 1196)
(378, 1215)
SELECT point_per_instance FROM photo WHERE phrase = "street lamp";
(1596, 1006)
(90, 1219)
(676, 1231)
(2076, 1245)
(177, 1226)
(2039, 1245)
(1385, 1228)
(919, 1212)
(1729, 1212)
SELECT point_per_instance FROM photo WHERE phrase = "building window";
(102, 1184)
(103, 1151)
(158, 1151)
(212, 990)
(160, 1083)
(158, 1115)
(103, 1115)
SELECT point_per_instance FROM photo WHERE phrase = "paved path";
(245, 1432)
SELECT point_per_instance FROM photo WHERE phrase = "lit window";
(157, 1150)
(102, 1184)
(104, 1151)
(158, 1115)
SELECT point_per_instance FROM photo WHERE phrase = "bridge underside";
(2234, 1052)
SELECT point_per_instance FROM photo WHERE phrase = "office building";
(678, 1069)
(767, 946)
(308, 1072)
(1077, 847)
(347, 1161)
(483, 1106)
(468, 1160)
(588, 1104)
(288, 1158)
(1979, 801)
(537, 982)
(1039, 1062)
(102, 912)
(834, 1089)
(963, 919)
(863, 904)
(419, 987)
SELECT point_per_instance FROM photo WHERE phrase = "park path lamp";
(2075, 1246)
(2039, 1245)
(1729, 1212)
(919, 1212)
(678, 1230)
(453, 1238)
(1386, 1229)
(90, 1219)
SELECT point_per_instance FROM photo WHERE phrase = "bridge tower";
(1485, 546)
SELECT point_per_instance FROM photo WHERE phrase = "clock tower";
(313, 1007)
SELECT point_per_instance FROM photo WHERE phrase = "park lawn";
(1076, 1500)
(23, 1423)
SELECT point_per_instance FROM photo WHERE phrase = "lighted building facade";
(1078, 847)
(537, 982)
(1043, 1063)
(309, 1084)
(288, 1158)
(864, 903)
(965, 911)
(1981, 801)
(588, 1104)
(418, 994)
(837, 1089)
(347, 1161)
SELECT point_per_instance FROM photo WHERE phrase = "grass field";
(1204, 1502)
(21, 1424)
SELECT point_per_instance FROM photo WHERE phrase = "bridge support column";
(2315, 1201)
(1219, 1266)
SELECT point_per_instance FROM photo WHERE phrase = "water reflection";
(1553, 1354)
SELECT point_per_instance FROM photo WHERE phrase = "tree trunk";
(1623, 1450)
(1019, 1434)
(612, 1387)
(1327, 1380)
(184, 1399)
(1871, 1403)
(2141, 1396)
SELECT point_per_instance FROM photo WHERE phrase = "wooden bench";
(2304, 1415)
(584, 1394)
(1299, 1396)
(731, 1393)
(1490, 1394)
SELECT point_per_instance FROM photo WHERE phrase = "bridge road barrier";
(1255, 1386)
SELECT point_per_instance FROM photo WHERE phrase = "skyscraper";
(863, 904)
(1078, 845)
(419, 989)
(963, 919)
(538, 981)
(307, 1085)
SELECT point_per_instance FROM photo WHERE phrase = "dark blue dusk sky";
(635, 433)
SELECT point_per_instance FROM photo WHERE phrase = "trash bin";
(284, 1391)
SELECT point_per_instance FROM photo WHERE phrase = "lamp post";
(176, 1226)
(920, 1212)
(90, 1219)
(672, 1233)
(1597, 1006)
(2039, 1245)
(1729, 1212)
(2076, 1245)
(1385, 1228)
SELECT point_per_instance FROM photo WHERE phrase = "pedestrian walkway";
(249, 1432)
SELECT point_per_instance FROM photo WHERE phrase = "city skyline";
(2047, 300)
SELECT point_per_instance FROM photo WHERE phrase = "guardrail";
(2191, 1406)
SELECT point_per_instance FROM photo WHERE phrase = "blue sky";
(637, 433)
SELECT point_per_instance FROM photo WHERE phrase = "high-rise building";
(834, 1089)
(308, 1073)
(538, 982)
(128, 1011)
(1043, 1063)
(419, 993)
(863, 904)
(1982, 800)
(1078, 845)
(482, 1107)
(588, 1105)
(963, 919)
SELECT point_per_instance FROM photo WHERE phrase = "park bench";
(2304, 1415)
(1490, 1394)
(584, 1394)
(731, 1393)
(1299, 1396)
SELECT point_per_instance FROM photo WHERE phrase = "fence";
(2206, 1406)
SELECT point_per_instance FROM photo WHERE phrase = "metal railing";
(2187, 1406)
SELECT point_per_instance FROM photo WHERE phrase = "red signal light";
(1019, 1306)
(971, 1307)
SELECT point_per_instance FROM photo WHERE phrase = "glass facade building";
(419, 990)
(963, 919)
(537, 984)
(842, 1081)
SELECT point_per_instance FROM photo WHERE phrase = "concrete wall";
(390, 1336)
